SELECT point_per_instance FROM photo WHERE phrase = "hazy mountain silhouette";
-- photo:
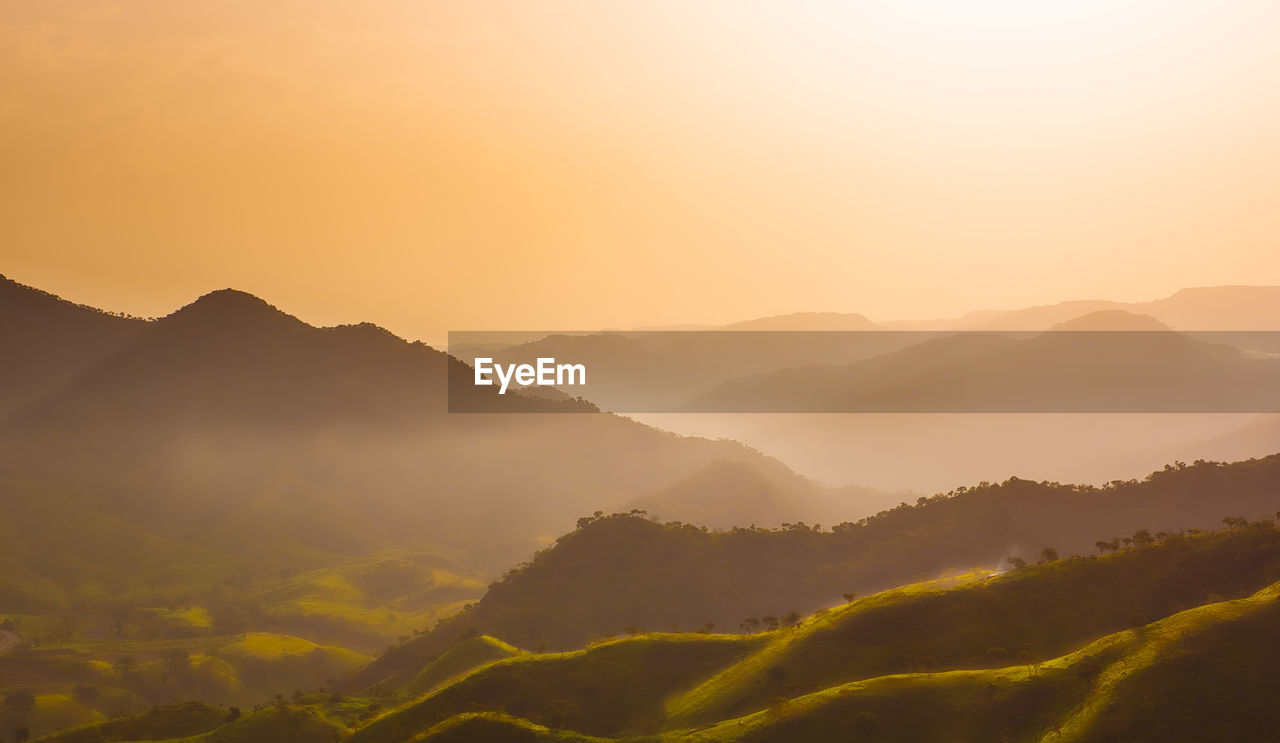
(46, 341)
(729, 494)
(1063, 371)
(1196, 308)
(235, 426)
(806, 321)
(651, 371)
(1115, 320)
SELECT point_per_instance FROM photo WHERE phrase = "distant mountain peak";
(1240, 290)
(807, 321)
(1112, 320)
(230, 306)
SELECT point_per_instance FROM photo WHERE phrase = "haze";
(442, 165)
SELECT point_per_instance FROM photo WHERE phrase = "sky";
(567, 165)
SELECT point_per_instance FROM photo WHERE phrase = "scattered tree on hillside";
(1048, 554)
(850, 596)
(1029, 657)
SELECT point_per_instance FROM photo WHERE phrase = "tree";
(1028, 657)
(850, 596)
(928, 663)
(791, 619)
(1048, 554)
(1016, 563)
(1102, 546)
(751, 624)
(770, 622)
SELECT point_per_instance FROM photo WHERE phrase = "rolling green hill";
(458, 660)
(624, 570)
(1075, 667)
(1048, 610)
(914, 663)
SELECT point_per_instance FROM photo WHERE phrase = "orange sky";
(437, 165)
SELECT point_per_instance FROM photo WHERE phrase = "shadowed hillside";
(47, 341)
(624, 570)
(233, 426)
(1043, 650)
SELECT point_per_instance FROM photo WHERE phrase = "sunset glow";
(574, 157)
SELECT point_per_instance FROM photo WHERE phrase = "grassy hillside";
(496, 727)
(614, 687)
(158, 723)
(367, 602)
(458, 660)
(82, 680)
(624, 570)
(1080, 670)
(1041, 611)
(1107, 687)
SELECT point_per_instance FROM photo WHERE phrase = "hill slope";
(233, 426)
(1072, 654)
(622, 570)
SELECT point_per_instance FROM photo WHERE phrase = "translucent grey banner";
(721, 371)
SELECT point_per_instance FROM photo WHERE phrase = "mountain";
(1114, 320)
(806, 321)
(48, 341)
(1056, 371)
(237, 428)
(1127, 645)
(728, 494)
(1218, 308)
(651, 371)
(1224, 308)
(1034, 649)
(619, 571)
